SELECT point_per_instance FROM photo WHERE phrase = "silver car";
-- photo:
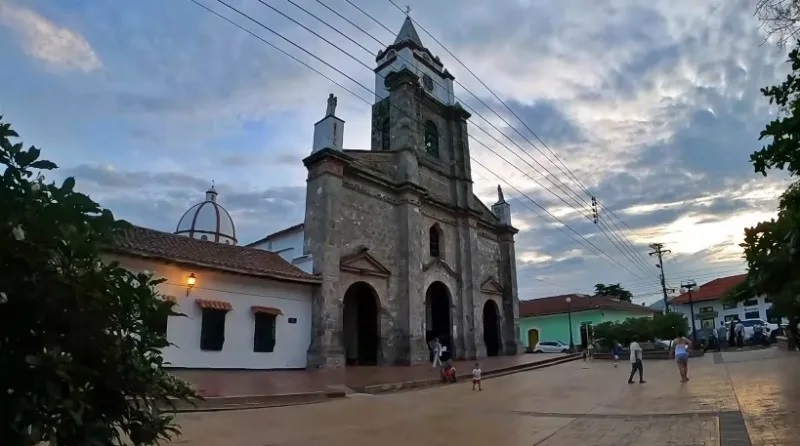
(551, 347)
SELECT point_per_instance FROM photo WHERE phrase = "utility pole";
(688, 286)
(658, 250)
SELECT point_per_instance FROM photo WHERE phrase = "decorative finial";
(500, 198)
(408, 10)
(212, 184)
(332, 101)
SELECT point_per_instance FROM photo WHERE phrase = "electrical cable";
(367, 89)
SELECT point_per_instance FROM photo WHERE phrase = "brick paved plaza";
(729, 395)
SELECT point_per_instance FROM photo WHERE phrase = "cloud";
(59, 47)
(654, 107)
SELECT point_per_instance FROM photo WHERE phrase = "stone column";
(322, 242)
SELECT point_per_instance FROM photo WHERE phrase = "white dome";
(209, 221)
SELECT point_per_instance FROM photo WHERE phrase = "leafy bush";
(642, 329)
(80, 361)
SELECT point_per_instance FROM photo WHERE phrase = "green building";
(547, 318)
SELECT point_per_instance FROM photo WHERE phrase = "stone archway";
(361, 324)
(491, 328)
(438, 318)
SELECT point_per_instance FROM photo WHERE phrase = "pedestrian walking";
(680, 351)
(636, 362)
(476, 377)
(437, 353)
(616, 351)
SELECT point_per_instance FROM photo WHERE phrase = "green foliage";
(641, 329)
(615, 291)
(772, 248)
(669, 326)
(80, 363)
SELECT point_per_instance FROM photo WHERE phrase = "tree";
(772, 248)
(669, 326)
(614, 291)
(80, 360)
(780, 19)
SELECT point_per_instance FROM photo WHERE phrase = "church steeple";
(408, 34)
(408, 53)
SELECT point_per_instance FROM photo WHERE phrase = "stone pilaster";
(410, 296)
(512, 344)
(472, 291)
(323, 241)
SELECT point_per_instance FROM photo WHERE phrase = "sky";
(653, 107)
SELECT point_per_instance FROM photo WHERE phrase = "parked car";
(551, 347)
(770, 330)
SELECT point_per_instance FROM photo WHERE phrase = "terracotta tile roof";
(214, 304)
(713, 290)
(266, 310)
(149, 243)
(580, 302)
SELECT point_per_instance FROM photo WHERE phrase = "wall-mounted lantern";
(190, 281)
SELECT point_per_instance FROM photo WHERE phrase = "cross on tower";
(408, 10)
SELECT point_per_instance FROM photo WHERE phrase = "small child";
(476, 377)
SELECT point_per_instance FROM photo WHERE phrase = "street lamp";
(688, 286)
(569, 317)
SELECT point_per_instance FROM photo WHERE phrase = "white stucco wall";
(740, 310)
(289, 245)
(442, 88)
(242, 292)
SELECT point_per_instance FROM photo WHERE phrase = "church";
(404, 249)
(394, 251)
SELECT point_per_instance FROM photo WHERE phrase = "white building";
(246, 309)
(287, 243)
(710, 310)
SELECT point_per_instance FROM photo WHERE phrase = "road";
(729, 395)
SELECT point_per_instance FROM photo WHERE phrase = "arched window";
(431, 138)
(435, 241)
(385, 131)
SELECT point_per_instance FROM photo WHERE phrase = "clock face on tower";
(427, 82)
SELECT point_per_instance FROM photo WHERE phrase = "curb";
(431, 382)
(241, 402)
(248, 402)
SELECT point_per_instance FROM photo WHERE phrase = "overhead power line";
(563, 167)
(611, 259)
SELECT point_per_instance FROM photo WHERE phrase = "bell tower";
(416, 110)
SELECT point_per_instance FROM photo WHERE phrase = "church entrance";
(361, 323)
(437, 317)
(491, 328)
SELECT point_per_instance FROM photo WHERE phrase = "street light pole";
(689, 285)
(569, 317)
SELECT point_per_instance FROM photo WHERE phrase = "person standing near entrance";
(721, 334)
(739, 330)
(437, 353)
(636, 362)
(681, 354)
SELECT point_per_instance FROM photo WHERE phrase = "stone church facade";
(404, 249)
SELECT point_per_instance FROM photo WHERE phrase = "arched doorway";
(361, 325)
(437, 317)
(491, 328)
(533, 338)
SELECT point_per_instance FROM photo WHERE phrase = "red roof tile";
(580, 302)
(214, 304)
(713, 290)
(149, 243)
